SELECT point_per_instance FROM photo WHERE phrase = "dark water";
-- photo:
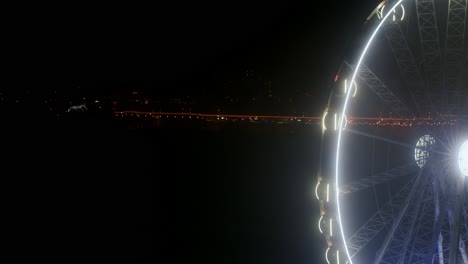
(75, 189)
(88, 187)
(238, 195)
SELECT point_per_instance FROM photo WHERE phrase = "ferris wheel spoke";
(385, 94)
(423, 230)
(440, 216)
(452, 136)
(455, 234)
(381, 219)
(372, 136)
(464, 239)
(463, 251)
(443, 141)
(394, 142)
(396, 242)
(454, 52)
(432, 55)
(447, 135)
(378, 178)
(406, 63)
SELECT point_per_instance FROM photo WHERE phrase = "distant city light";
(77, 108)
(440, 120)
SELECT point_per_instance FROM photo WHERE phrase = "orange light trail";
(311, 118)
(442, 120)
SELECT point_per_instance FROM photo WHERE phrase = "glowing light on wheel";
(316, 190)
(326, 255)
(340, 130)
(324, 127)
(380, 13)
(463, 159)
(335, 122)
(320, 221)
(422, 150)
(353, 86)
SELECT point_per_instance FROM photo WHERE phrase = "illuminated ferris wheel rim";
(463, 159)
(340, 123)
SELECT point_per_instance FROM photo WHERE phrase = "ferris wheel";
(393, 180)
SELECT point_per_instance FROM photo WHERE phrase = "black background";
(86, 188)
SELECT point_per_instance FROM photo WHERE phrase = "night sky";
(177, 48)
(186, 48)
(244, 196)
(295, 44)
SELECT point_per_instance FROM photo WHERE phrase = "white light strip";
(346, 86)
(331, 227)
(316, 190)
(345, 120)
(341, 124)
(355, 89)
(335, 121)
(337, 257)
(463, 159)
(323, 121)
(328, 192)
(326, 255)
(403, 10)
(320, 220)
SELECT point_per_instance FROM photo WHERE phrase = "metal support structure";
(366, 76)
(445, 233)
(440, 250)
(420, 224)
(382, 218)
(407, 65)
(378, 178)
(464, 97)
(440, 206)
(455, 234)
(464, 235)
(395, 244)
(463, 250)
(455, 51)
(421, 244)
(429, 37)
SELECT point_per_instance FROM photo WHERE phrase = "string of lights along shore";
(328, 121)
